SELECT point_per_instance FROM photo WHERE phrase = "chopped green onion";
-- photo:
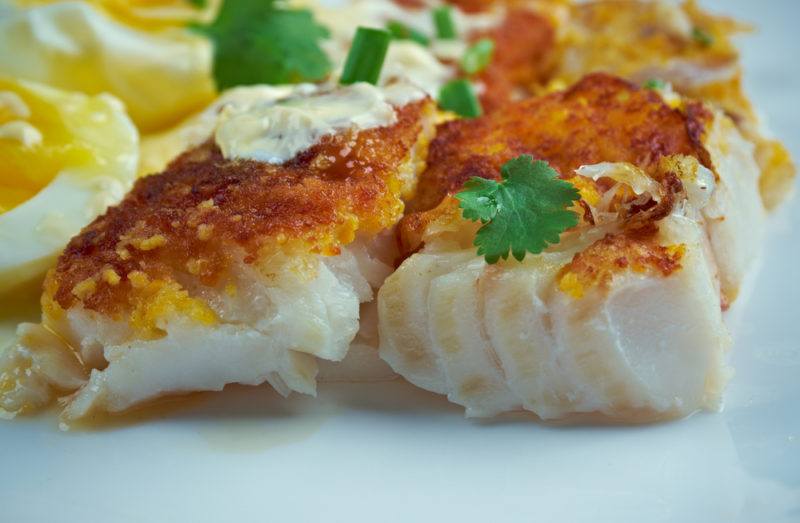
(443, 20)
(366, 56)
(655, 83)
(477, 56)
(459, 97)
(702, 37)
(199, 3)
(401, 31)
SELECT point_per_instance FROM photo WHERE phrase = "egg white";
(33, 233)
(161, 72)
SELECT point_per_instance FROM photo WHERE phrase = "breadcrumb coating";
(602, 118)
(204, 210)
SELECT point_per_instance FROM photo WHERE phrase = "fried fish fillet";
(680, 44)
(623, 317)
(547, 45)
(222, 271)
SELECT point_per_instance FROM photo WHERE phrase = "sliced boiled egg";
(154, 14)
(140, 51)
(66, 157)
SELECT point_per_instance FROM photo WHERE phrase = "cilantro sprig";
(261, 42)
(523, 213)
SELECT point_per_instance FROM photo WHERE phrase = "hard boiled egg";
(141, 51)
(154, 14)
(66, 157)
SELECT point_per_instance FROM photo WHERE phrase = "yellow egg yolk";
(36, 143)
(150, 14)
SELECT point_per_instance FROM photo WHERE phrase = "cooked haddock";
(222, 271)
(623, 317)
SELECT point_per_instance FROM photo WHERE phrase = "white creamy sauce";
(408, 60)
(414, 63)
(23, 132)
(452, 50)
(14, 104)
(276, 132)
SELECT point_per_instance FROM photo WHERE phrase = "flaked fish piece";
(223, 270)
(622, 318)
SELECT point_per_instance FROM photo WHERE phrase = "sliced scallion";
(459, 97)
(655, 84)
(477, 56)
(443, 21)
(366, 56)
(702, 37)
(401, 31)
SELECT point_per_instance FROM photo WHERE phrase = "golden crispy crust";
(192, 217)
(600, 119)
(523, 57)
(635, 250)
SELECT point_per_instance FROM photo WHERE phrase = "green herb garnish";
(258, 42)
(459, 96)
(401, 31)
(477, 56)
(655, 84)
(443, 21)
(702, 37)
(198, 3)
(522, 214)
(366, 56)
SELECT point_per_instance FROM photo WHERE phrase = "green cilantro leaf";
(524, 213)
(260, 42)
(478, 200)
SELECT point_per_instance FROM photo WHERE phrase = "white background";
(392, 453)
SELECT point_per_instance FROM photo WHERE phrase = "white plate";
(389, 452)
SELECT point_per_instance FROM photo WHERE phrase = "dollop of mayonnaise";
(414, 63)
(429, 67)
(276, 132)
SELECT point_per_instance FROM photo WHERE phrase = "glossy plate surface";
(388, 452)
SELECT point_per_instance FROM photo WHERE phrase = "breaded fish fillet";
(222, 271)
(624, 316)
(681, 44)
(546, 45)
